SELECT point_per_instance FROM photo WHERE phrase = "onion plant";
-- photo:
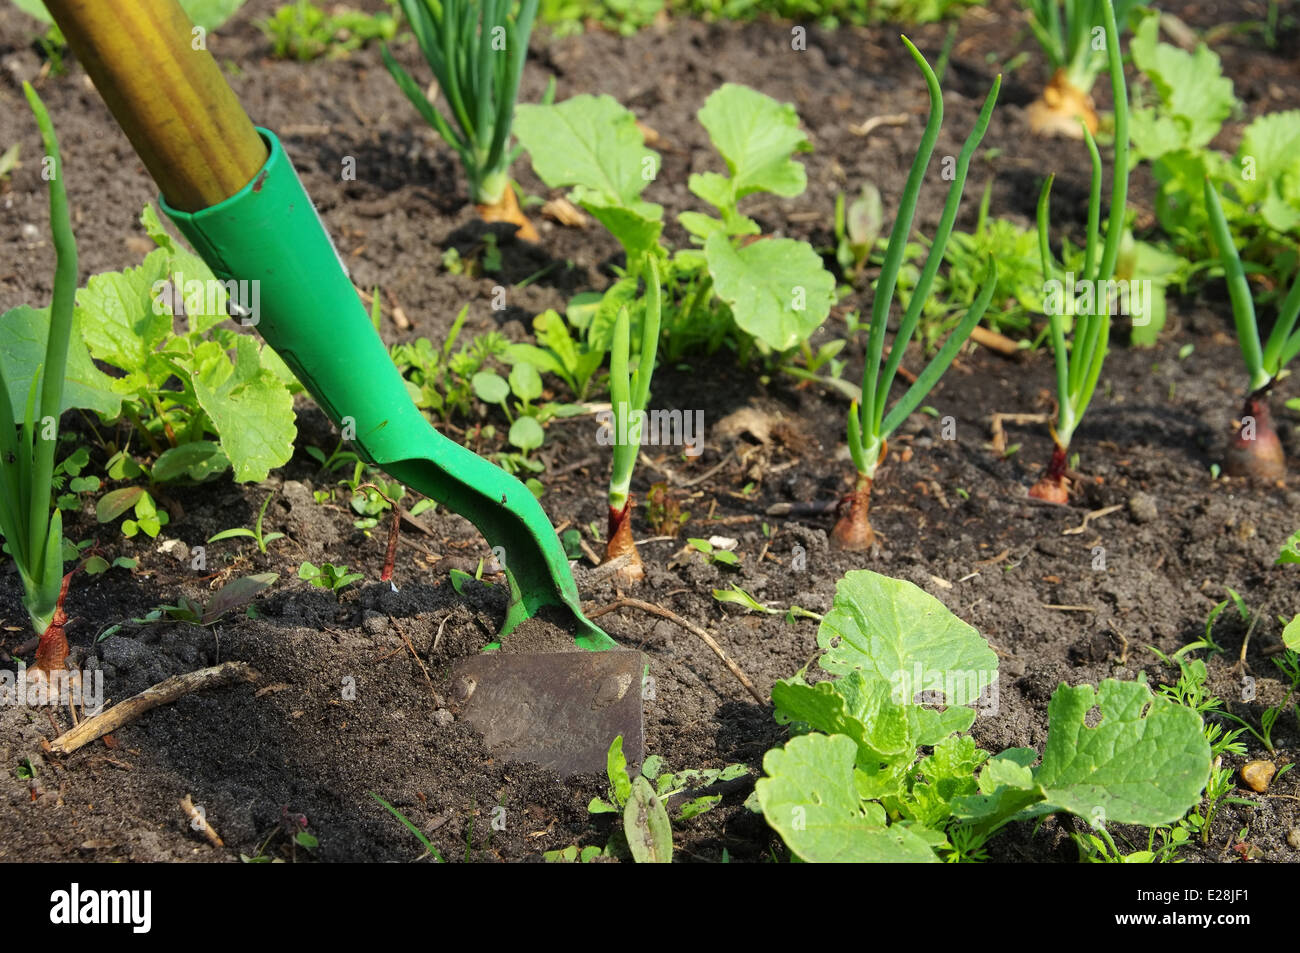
(476, 51)
(32, 531)
(869, 426)
(629, 394)
(1068, 34)
(1078, 367)
(1254, 450)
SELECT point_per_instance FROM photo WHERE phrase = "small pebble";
(375, 623)
(442, 717)
(29, 232)
(1293, 837)
(176, 549)
(1142, 507)
(1258, 774)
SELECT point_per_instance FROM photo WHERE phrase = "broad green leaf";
(646, 825)
(616, 771)
(249, 407)
(1191, 87)
(896, 631)
(525, 382)
(593, 144)
(116, 502)
(1291, 634)
(809, 797)
(949, 773)
(192, 460)
(123, 320)
(1271, 146)
(878, 726)
(201, 295)
(23, 335)
(636, 231)
(526, 434)
(490, 387)
(776, 288)
(1145, 762)
(756, 135)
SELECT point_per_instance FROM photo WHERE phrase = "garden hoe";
(233, 192)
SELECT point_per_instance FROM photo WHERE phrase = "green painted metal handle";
(310, 314)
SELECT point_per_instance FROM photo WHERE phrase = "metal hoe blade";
(561, 710)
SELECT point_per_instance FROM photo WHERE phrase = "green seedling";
(737, 596)
(869, 427)
(1255, 450)
(629, 395)
(328, 576)
(1079, 368)
(879, 770)
(9, 162)
(255, 534)
(406, 822)
(857, 229)
(714, 554)
(476, 52)
(235, 594)
(642, 802)
(753, 290)
(1068, 34)
(1289, 665)
(303, 31)
(33, 530)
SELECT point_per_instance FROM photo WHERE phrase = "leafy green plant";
(568, 17)
(646, 833)
(739, 283)
(476, 52)
(1258, 187)
(303, 31)
(33, 530)
(575, 360)
(328, 576)
(854, 784)
(629, 394)
(440, 380)
(1079, 368)
(869, 427)
(1255, 450)
(255, 534)
(1069, 36)
(1191, 689)
(182, 390)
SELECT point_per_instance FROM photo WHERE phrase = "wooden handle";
(167, 93)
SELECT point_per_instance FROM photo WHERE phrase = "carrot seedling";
(629, 393)
(869, 426)
(1079, 368)
(476, 52)
(1254, 450)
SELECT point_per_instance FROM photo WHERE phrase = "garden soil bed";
(953, 515)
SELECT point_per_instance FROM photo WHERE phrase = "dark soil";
(352, 695)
